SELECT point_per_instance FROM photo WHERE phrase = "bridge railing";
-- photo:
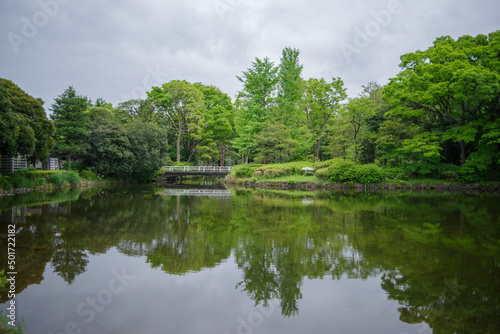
(198, 192)
(196, 168)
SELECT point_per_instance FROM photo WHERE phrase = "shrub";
(448, 171)
(243, 170)
(20, 182)
(321, 174)
(325, 164)
(277, 170)
(73, 178)
(268, 173)
(370, 173)
(392, 173)
(58, 179)
(33, 175)
(5, 183)
(338, 171)
(39, 181)
(347, 171)
(88, 175)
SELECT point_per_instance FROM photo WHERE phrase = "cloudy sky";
(117, 50)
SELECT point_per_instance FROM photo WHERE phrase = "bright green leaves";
(218, 129)
(321, 103)
(182, 106)
(452, 91)
(492, 132)
(420, 154)
(69, 113)
(255, 103)
(466, 133)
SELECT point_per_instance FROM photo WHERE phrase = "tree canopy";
(24, 126)
(438, 117)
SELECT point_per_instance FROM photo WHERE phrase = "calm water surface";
(143, 259)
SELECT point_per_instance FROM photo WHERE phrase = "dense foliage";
(437, 118)
(24, 127)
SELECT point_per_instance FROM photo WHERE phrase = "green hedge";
(244, 170)
(347, 171)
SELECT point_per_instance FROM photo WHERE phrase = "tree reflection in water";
(437, 255)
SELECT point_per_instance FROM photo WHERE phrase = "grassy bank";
(339, 173)
(42, 179)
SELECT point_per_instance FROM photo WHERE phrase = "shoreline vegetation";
(27, 180)
(436, 119)
(343, 175)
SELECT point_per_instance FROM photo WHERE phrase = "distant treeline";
(438, 118)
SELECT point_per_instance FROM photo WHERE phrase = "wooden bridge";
(169, 171)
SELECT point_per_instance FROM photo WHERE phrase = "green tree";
(452, 88)
(69, 113)
(275, 143)
(255, 103)
(321, 102)
(24, 126)
(218, 130)
(182, 106)
(290, 88)
(148, 144)
(108, 146)
(357, 112)
(368, 140)
(138, 109)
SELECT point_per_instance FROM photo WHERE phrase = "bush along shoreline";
(27, 180)
(340, 174)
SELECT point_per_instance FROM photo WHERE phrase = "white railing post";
(197, 168)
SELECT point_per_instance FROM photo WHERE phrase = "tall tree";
(182, 105)
(452, 88)
(69, 113)
(148, 144)
(290, 88)
(255, 103)
(138, 109)
(108, 147)
(357, 112)
(219, 119)
(321, 102)
(24, 126)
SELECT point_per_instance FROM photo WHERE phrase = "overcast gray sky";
(117, 50)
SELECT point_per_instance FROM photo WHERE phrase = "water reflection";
(437, 255)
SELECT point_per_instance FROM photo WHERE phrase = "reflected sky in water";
(142, 260)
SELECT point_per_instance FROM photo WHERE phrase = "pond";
(204, 259)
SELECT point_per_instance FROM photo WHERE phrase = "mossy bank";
(28, 180)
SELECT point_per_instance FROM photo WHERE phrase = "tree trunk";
(222, 157)
(179, 142)
(462, 152)
(318, 148)
(356, 146)
(222, 154)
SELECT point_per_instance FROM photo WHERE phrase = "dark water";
(143, 259)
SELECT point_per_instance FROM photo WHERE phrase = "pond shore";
(384, 186)
(20, 191)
